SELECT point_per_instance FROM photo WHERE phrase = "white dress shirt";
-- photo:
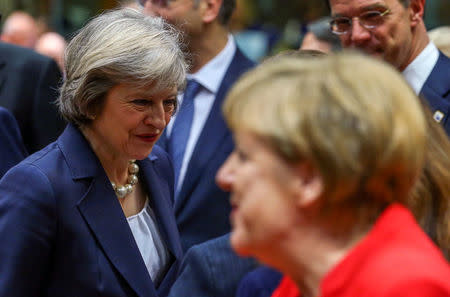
(417, 72)
(210, 77)
(150, 243)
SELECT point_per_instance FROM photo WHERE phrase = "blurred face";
(311, 42)
(184, 14)
(392, 40)
(263, 190)
(132, 121)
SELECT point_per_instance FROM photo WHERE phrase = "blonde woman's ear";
(309, 184)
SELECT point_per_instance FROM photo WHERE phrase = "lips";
(234, 209)
(148, 137)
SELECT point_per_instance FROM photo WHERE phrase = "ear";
(309, 185)
(210, 10)
(417, 10)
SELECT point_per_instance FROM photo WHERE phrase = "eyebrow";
(374, 6)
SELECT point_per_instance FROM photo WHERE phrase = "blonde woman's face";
(262, 196)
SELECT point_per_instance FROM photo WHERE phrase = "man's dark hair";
(226, 10)
(404, 2)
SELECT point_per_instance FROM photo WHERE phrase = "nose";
(225, 175)
(156, 117)
(359, 34)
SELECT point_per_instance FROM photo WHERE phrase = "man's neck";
(419, 42)
(205, 47)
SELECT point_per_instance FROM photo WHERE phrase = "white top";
(210, 77)
(417, 72)
(149, 241)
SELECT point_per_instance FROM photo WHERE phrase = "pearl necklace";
(122, 191)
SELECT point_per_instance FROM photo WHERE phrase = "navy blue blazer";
(202, 209)
(260, 282)
(211, 269)
(436, 89)
(28, 89)
(12, 150)
(64, 232)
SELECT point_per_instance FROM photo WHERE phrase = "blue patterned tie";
(182, 128)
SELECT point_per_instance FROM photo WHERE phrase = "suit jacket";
(202, 209)
(436, 89)
(211, 269)
(28, 88)
(12, 150)
(63, 230)
(260, 282)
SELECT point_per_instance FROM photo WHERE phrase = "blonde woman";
(327, 153)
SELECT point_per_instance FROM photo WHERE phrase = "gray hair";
(119, 46)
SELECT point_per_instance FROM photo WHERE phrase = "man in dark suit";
(12, 150)
(28, 89)
(394, 31)
(201, 208)
(211, 269)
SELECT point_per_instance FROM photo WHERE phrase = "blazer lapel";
(438, 76)
(103, 214)
(161, 205)
(105, 218)
(436, 90)
(215, 130)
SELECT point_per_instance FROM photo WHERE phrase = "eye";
(371, 15)
(242, 156)
(170, 105)
(141, 102)
(340, 24)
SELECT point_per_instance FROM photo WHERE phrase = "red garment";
(286, 288)
(395, 259)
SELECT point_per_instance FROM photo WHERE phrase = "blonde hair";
(429, 200)
(355, 119)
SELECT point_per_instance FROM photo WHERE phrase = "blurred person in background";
(131, 4)
(315, 190)
(21, 29)
(198, 139)
(92, 213)
(28, 89)
(441, 37)
(12, 150)
(319, 37)
(52, 45)
(394, 30)
(211, 269)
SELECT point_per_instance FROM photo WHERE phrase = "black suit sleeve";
(47, 124)
(12, 150)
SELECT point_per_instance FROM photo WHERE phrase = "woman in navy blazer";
(81, 217)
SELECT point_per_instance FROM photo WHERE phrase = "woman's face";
(131, 121)
(263, 190)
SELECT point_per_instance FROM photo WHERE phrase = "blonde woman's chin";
(240, 243)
